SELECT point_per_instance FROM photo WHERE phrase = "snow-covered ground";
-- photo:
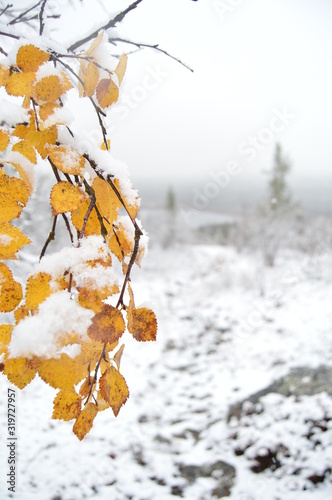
(228, 328)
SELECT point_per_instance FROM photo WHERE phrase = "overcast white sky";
(252, 59)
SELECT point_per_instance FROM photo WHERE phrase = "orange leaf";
(10, 291)
(67, 405)
(113, 389)
(11, 241)
(48, 89)
(121, 67)
(142, 324)
(84, 422)
(5, 336)
(107, 325)
(107, 92)
(91, 79)
(25, 149)
(37, 290)
(4, 139)
(66, 197)
(67, 159)
(20, 84)
(20, 371)
(61, 373)
(29, 58)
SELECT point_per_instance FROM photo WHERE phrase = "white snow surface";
(181, 387)
(40, 335)
(76, 260)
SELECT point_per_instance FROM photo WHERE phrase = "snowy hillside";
(234, 399)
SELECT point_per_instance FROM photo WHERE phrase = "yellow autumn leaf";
(121, 67)
(37, 290)
(113, 389)
(10, 291)
(20, 313)
(95, 43)
(60, 373)
(16, 188)
(102, 404)
(107, 92)
(91, 299)
(90, 80)
(29, 58)
(25, 149)
(5, 336)
(20, 84)
(142, 324)
(81, 76)
(4, 139)
(118, 355)
(9, 207)
(4, 75)
(46, 110)
(84, 422)
(85, 387)
(67, 159)
(41, 139)
(65, 83)
(48, 89)
(77, 218)
(107, 325)
(107, 202)
(11, 240)
(132, 206)
(103, 145)
(24, 177)
(66, 405)
(22, 130)
(65, 197)
(120, 242)
(20, 371)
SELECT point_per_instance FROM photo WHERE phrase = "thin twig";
(10, 35)
(94, 380)
(130, 265)
(16, 19)
(91, 192)
(111, 24)
(50, 238)
(41, 19)
(6, 8)
(99, 112)
(64, 216)
(155, 47)
(87, 215)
